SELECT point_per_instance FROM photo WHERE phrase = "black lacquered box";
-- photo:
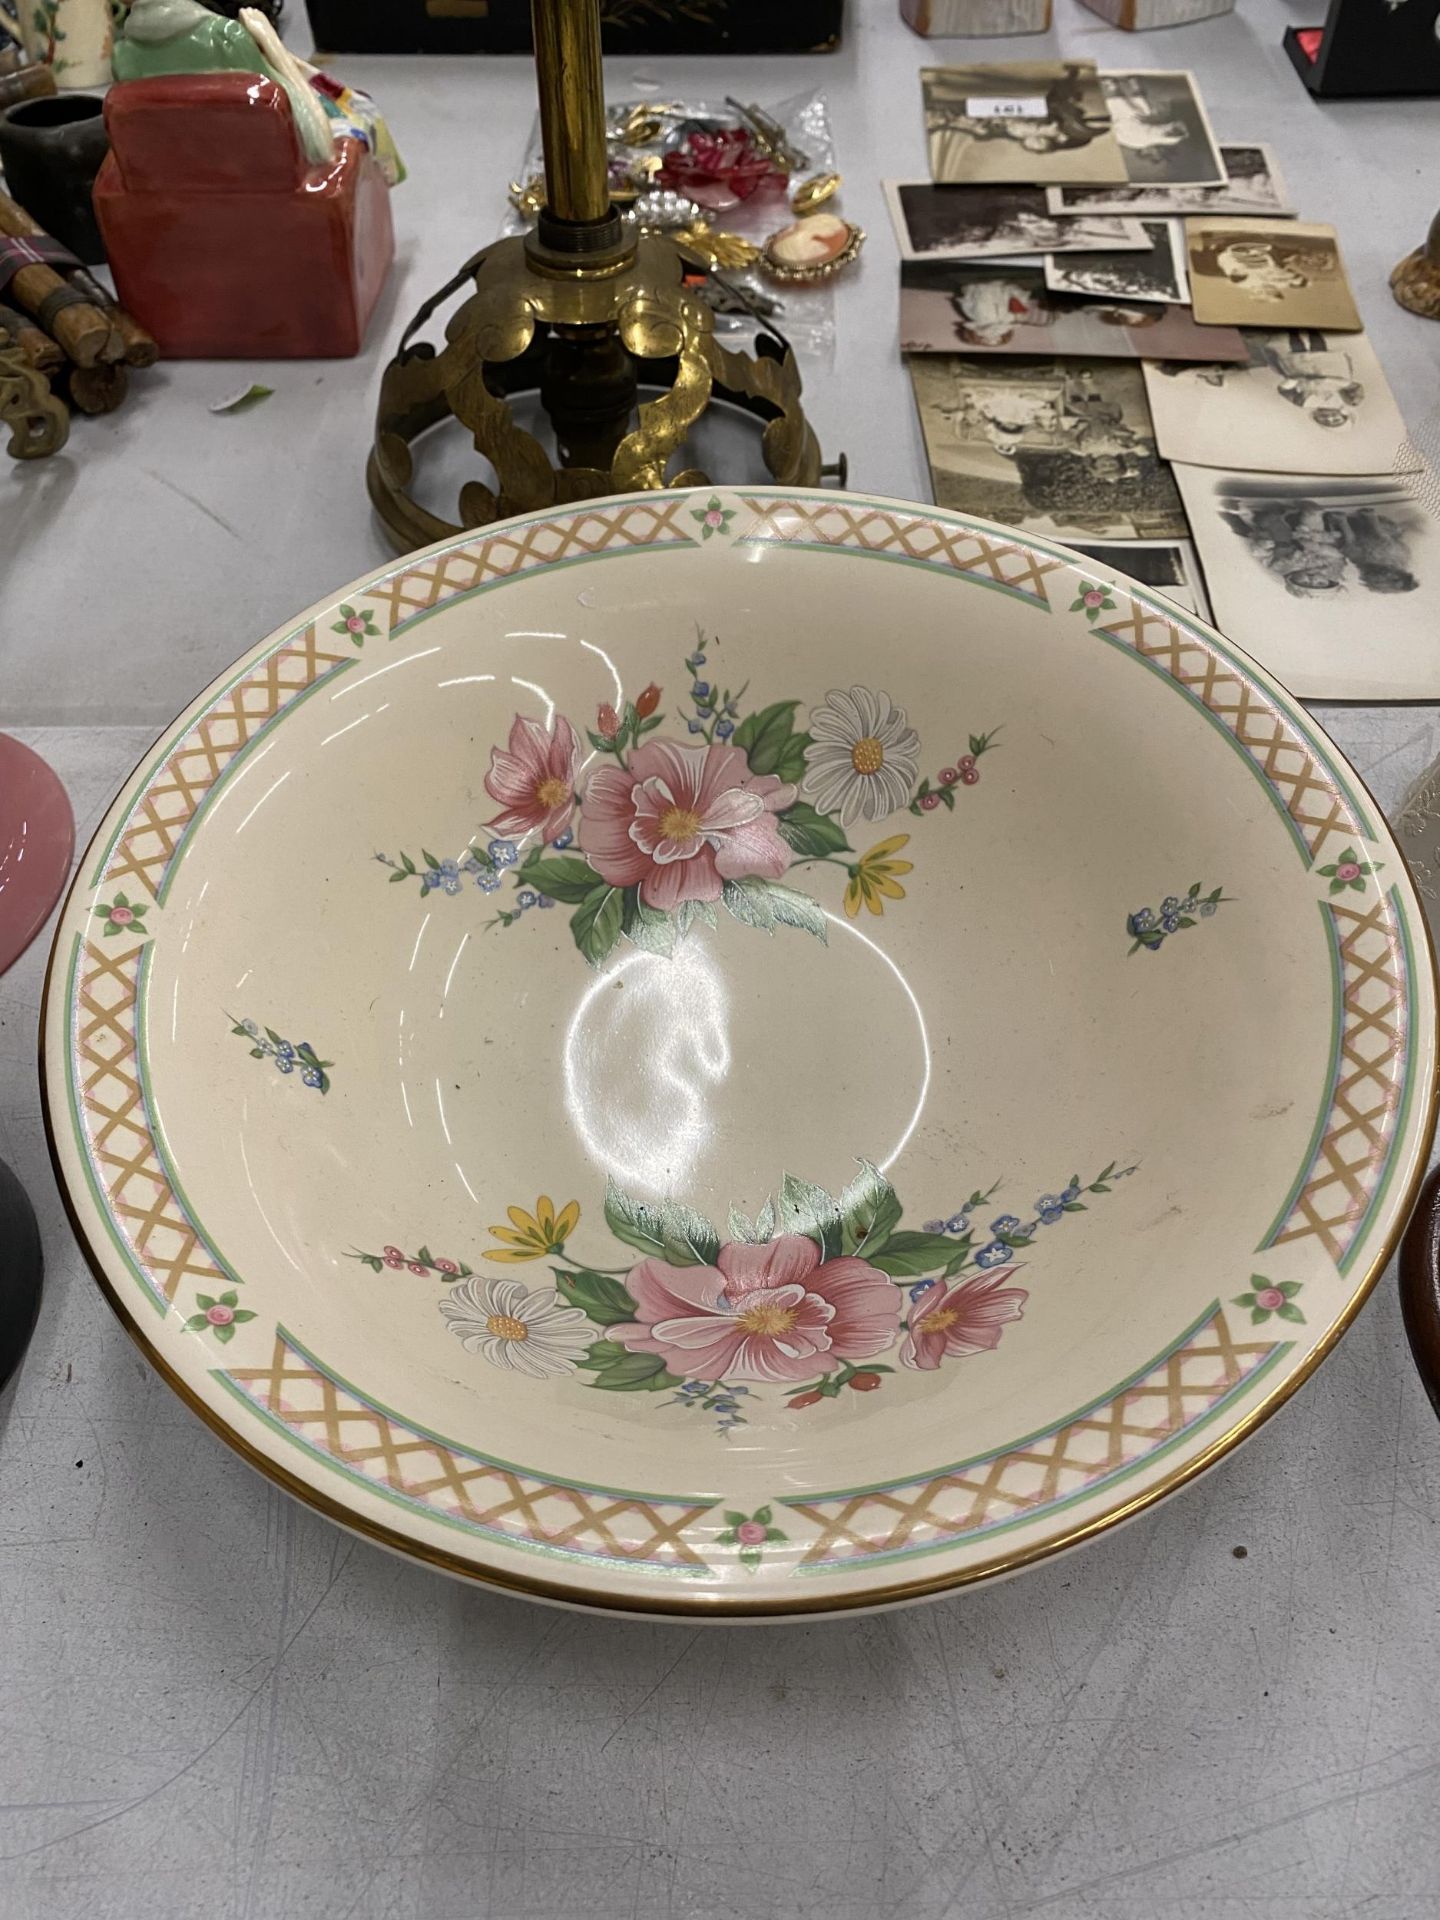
(629, 26)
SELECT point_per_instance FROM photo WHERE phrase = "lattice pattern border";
(1173, 1396)
(147, 843)
(1341, 1181)
(376, 1449)
(1303, 786)
(896, 535)
(165, 1245)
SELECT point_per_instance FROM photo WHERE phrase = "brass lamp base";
(583, 334)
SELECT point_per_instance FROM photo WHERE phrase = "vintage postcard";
(1056, 447)
(975, 223)
(1302, 403)
(1268, 273)
(1162, 129)
(1330, 582)
(1157, 274)
(1252, 186)
(1167, 566)
(1025, 122)
(958, 306)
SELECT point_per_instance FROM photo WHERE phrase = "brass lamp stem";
(572, 109)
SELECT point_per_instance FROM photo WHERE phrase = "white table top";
(213, 1703)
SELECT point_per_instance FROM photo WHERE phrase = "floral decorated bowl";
(671, 1055)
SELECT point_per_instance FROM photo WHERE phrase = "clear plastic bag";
(803, 315)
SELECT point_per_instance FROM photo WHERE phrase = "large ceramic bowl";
(740, 1054)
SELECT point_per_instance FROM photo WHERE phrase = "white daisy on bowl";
(863, 756)
(527, 1331)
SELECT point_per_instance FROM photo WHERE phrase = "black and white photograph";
(1321, 578)
(1156, 274)
(1026, 122)
(1161, 125)
(975, 223)
(1252, 185)
(1058, 447)
(958, 306)
(1167, 566)
(1303, 402)
(1268, 273)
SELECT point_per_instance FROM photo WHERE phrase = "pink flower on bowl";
(219, 1316)
(1347, 870)
(1270, 1298)
(968, 1316)
(750, 1533)
(122, 916)
(534, 778)
(1093, 598)
(773, 1312)
(681, 821)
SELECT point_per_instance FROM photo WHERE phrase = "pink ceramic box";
(225, 242)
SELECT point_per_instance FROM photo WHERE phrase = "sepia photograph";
(956, 306)
(1056, 447)
(1252, 185)
(1162, 128)
(973, 223)
(1303, 402)
(1321, 578)
(1024, 122)
(1263, 273)
(1156, 274)
(1166, 566)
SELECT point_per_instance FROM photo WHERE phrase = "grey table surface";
(213, 1703)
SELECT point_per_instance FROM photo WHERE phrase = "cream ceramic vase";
(74, 38)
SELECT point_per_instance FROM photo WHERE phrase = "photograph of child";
(1061, 447)
(1304, 402)
(1321, 578)
(1265, 273)
(971, 306)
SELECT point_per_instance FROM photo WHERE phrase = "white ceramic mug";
(74, 38)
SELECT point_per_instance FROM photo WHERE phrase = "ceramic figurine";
(181, 36)
(226, 240)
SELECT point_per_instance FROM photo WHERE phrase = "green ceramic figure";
(181, 36)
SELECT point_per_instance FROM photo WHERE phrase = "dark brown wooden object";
(1420, 1286)
(83, 330)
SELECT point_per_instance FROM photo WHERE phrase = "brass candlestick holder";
(580, 313)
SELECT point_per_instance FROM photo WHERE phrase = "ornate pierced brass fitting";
(578, 314)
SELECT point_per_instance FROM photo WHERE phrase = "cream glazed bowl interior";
(739, 1053)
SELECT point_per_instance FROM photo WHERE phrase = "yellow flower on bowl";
(531, 1236)
(876, 874)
